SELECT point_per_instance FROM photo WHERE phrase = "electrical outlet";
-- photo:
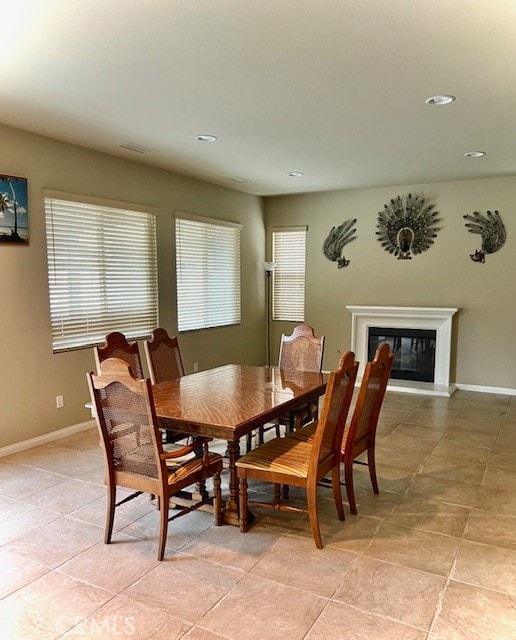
(59, 402)
(196, 367)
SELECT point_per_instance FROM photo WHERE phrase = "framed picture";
(14, 210)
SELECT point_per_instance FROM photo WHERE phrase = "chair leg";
(260, 434)
(217, 499)
(348, 479)
(244, 525)
(277, 494)
(313, 514)
(337, 494)
(110, 512)
(249, 442)
(163, 526)
(372, 469)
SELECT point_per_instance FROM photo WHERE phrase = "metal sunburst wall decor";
(337, 239)
(492, 230)
(407, 226)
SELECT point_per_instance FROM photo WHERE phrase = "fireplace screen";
(414, 351)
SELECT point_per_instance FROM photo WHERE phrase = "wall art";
(14, 221)
(337, 239)
(491, 229)
(407, 226)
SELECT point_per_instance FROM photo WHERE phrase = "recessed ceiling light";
(206, 137)
(474, 154)
(296, 174)
(440, 100)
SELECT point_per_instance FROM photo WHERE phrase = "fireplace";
(400, 327)
(413, 349)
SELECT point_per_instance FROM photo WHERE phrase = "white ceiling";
(333, 88)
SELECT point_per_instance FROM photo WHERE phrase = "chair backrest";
(163, 357)
(127, 421)
(116, 346)
(301, 350)
(332, 420)
(362, 429)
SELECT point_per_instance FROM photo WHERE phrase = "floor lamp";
(269, 270)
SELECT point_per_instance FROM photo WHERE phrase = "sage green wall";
(484, 347)
(31, 376)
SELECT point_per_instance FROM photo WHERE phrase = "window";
(288, 280)
(102, 271)
(207, 272)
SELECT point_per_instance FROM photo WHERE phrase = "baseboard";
(505, 391)
(45, 438)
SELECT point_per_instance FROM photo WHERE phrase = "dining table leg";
(231, 511)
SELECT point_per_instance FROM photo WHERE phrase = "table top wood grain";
(230, 401)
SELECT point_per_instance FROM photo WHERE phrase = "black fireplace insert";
(414, 351)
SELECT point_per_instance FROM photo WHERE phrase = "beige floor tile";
(370, 504)
(19, 518)
(227, 546)
(56, 541)
(455, 468)
(343, 622)
(180, 531)
(491, 528)
(422, 431)
(398, 592)
(470, 452)
(184, 586)
(354, 534)
(123, 618)
(196, 633)
(431, 552)
(127, 559)
(466, 439)
(486, 566)
(18, 481)
(499, 478)
(429, 515)
(66, 496)
(473, 613)
(95, 512)
(503, 457)
(298, 563)
(395, 457)
(72, 464)
(48, 607)
(438, 419)
(256, 609)
(477, 422)
(408, 443)
(17, 571)
(502, 501)
(441, 490)
(43, 454)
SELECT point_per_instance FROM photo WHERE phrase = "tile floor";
(432, 557)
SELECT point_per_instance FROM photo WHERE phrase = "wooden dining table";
(231, 401)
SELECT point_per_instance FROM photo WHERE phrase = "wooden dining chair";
(300, 351)
(163, 357)
(294, 462)
(360, 435)
(134, 456)
(164, 363)
(117, 346)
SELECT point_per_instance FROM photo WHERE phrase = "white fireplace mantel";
(438, 319)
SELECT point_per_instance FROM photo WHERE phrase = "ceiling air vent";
(137, 148)
(239, 179)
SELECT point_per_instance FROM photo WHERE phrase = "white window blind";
(102, 271)
(207, 272)
(288, 280)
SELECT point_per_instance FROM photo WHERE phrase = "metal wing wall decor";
(337, 239)
(492, 230)
(407, 227)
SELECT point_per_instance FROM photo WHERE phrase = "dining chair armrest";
(186, 449)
